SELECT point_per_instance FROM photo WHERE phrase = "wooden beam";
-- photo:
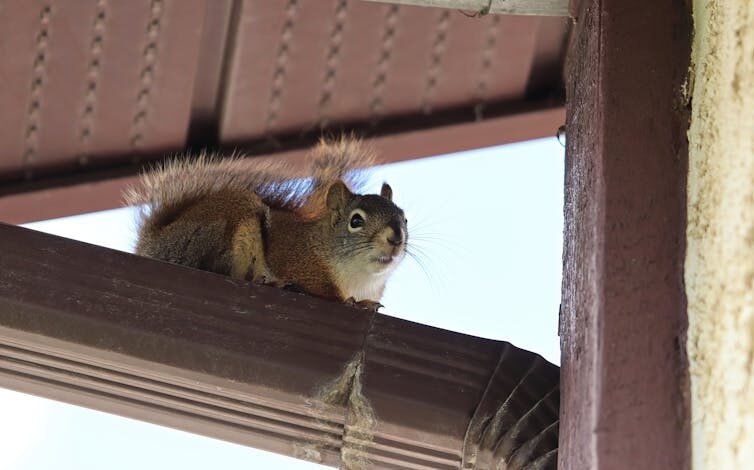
(484, 7)
(275, 370)
(76, 197)
(623, 321)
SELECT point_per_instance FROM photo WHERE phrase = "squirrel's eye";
(357, 220)
(405, 221)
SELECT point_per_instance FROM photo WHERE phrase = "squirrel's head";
(369, 230)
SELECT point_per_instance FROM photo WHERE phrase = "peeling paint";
(307, 452)
(346, 390)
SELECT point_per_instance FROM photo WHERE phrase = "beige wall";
(720, 259)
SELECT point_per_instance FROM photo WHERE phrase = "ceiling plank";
(83, 81)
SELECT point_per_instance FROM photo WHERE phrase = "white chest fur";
(362, 284)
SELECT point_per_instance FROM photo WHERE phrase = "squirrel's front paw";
(365, 304)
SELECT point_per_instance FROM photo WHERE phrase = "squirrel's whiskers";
(430, 250)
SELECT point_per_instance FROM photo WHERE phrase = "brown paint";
(623, 317)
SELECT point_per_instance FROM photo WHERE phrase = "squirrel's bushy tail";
(340, 159)
(180, 181)
(332, 160)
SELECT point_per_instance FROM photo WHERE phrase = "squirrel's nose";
(396, 239)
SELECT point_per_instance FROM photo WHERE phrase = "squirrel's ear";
(337, 196)
(386, 192)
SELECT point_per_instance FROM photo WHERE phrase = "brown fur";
(251, 221)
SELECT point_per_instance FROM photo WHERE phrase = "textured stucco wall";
(720, 258)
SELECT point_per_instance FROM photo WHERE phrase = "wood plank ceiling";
(90, 90)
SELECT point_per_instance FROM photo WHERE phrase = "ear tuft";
(386, 192)
(338, 195)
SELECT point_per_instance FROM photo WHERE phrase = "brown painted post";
(623, 319)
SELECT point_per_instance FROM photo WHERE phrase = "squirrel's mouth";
(385, 259)
(391, 257)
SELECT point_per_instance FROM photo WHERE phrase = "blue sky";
(489, 223)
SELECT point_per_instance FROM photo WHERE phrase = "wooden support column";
(623, 318)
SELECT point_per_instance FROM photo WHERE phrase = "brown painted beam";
(623, 321)
(270, 369)
(76, 197)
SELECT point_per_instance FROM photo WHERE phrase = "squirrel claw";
(293, 287)
(365, 304)
(280, 284)
(269, 281)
